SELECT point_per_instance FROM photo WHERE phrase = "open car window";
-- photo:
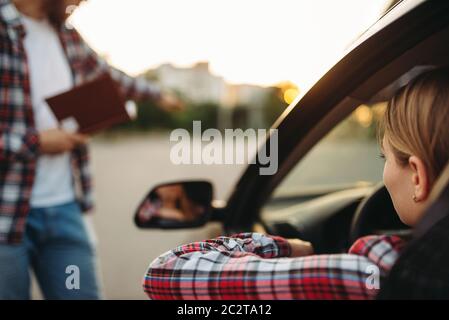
(346, 157)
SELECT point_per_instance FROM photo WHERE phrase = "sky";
(261, 42)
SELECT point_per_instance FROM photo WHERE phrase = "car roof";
(394, 13)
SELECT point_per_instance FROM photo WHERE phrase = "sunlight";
(364, 116)
(290, 95)
(253, 41)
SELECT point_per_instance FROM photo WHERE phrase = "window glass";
(347, 156)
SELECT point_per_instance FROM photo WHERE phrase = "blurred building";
(198, 85)
(249, 99)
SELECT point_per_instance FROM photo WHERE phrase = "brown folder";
(91, 107)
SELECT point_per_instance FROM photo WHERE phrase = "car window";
(347, 156)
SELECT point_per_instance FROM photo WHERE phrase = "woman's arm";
(254, 266)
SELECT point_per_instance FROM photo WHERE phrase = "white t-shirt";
(50, 74)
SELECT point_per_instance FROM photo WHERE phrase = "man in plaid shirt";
(45, 180)
(255, 266)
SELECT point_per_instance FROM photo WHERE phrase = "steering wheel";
(376, 215)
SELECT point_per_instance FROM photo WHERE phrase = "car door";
(411, 37)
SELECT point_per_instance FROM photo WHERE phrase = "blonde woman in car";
(414, 139)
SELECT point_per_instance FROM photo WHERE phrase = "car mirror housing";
(176, 205)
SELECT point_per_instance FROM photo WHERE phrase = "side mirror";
(186, 204)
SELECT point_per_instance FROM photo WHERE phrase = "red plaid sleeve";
(256, 266)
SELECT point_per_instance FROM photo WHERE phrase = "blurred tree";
(240, 117)
(150, 117)
(206, 112)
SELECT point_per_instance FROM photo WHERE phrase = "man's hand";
(56, 141)
(170, 103)
(300, 248)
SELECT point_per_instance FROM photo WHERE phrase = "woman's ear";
(420, 179)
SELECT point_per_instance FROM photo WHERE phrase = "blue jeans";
(57, 248)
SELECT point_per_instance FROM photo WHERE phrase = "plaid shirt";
(422, 270)
(19, 143)
(253, 266)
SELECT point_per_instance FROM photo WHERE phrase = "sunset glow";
(246, 41)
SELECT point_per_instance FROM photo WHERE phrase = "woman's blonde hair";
(416, 121)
